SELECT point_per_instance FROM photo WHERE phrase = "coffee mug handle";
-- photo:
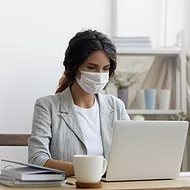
(104, 168)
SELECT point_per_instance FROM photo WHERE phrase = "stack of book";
(29, 175)
(132, 42)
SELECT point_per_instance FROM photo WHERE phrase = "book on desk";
(29, 175)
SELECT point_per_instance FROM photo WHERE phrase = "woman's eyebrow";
(107, 65)
(93, 64)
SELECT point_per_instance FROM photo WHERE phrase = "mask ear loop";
(80, 74)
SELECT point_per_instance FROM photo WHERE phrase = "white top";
(89, 120)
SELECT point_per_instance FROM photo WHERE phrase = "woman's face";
(98, 61)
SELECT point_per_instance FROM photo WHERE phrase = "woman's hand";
(67, 167)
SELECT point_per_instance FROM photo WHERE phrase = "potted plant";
(181, 116)
(123, 80)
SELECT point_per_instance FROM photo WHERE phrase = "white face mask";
(91, 82)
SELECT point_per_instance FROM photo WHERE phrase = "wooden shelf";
(148, 51)
(152, 112)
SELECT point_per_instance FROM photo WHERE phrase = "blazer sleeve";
(38, 143)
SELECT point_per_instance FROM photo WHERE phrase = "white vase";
(164, 97)
(140, 99)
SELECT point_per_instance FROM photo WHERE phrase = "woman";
(78, 119)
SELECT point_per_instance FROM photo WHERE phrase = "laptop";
(146, 150)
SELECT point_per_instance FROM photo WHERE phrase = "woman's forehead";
(98, 58)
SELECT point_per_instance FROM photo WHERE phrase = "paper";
(184, 174)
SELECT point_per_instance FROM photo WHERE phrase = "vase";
(140, 99)
(150, 98)
(164, 99)
(123, 95)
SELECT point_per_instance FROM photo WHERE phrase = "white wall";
(154, 18)
(33, 38)
(139, 18)
(175, 22)
(187, 24)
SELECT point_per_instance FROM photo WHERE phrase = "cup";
(89, 169)
(150, 98)
(140, 98)
(164, 99)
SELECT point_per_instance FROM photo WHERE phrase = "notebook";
(12, 182)
(31, 175)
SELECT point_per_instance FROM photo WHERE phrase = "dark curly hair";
(80, 47)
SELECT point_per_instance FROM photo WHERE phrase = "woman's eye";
(90, 68)
(106, 69)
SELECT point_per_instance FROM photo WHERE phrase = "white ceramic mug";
(89, 169)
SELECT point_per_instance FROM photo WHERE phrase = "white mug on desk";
(89, 169)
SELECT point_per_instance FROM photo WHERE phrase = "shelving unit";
(180, 55)
(180, 71)
(138, 51)
(152, 112)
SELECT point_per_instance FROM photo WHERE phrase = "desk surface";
(182, 183)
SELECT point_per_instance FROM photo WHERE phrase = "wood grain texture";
(182, 183)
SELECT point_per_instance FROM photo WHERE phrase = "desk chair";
(14, 139)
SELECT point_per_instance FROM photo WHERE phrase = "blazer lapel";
(106, 124)
(67, 112)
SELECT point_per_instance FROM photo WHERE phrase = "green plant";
(181, 116)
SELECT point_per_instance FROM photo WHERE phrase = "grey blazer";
(56, 132)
